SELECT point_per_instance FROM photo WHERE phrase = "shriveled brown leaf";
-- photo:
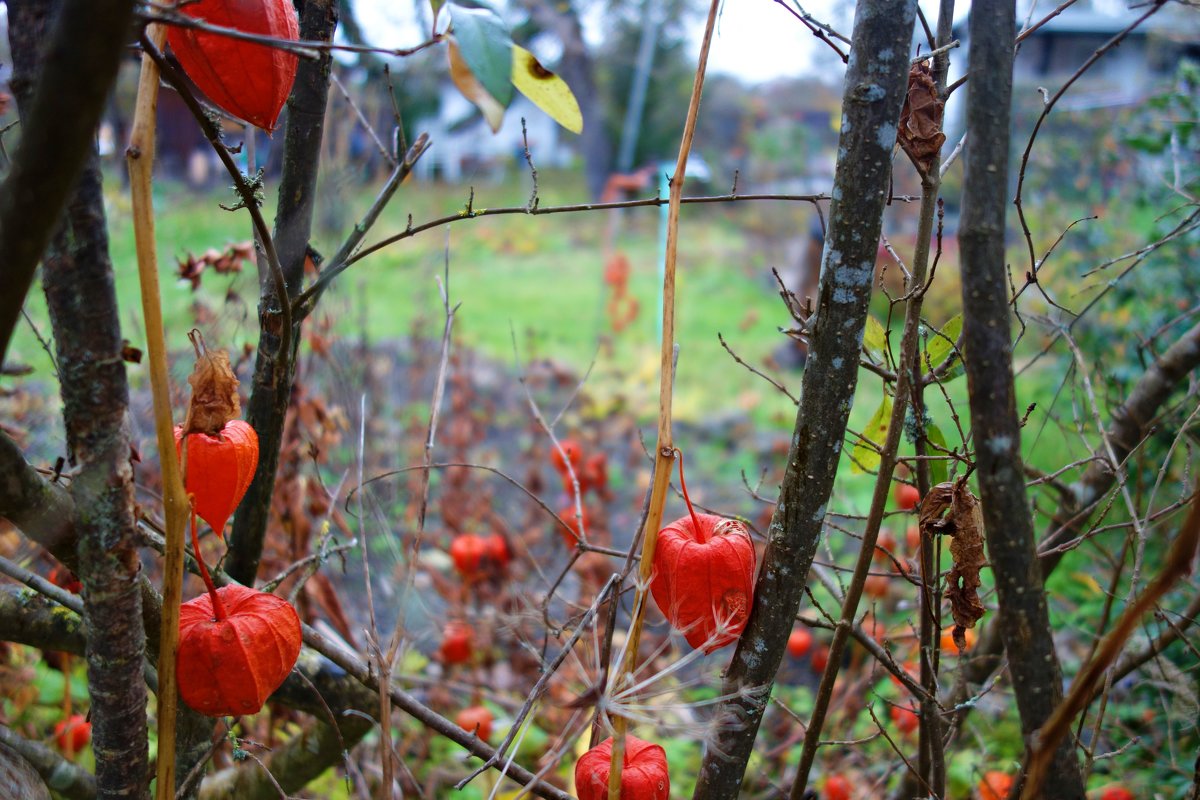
(214, 391)
(952, 510)
(921, 118)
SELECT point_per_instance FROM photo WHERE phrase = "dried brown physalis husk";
(952, 510)
(921, 118)
(214, 390)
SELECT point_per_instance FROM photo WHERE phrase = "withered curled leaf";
(214, 390)
(951, 509)
(921, 118)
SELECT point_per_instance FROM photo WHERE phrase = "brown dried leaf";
(214, 390)
(921, 118)
(952, 510)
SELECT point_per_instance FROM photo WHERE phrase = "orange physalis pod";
(249, 81)
(233, 657)
(644, 775)
(704, 576)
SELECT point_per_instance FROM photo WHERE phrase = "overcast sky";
(756, 40)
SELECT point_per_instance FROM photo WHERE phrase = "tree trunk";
(80, 293)
(874, 92)
(275, 366)
(1024, 618)
(85, 50)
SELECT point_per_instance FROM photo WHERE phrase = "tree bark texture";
(80, 294)
(39, 508)
(1024, 618)
(293, 765)
(275, 363)
(84, 49)
(875, 85)
(49, 770)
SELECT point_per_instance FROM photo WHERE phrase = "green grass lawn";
(538, 280)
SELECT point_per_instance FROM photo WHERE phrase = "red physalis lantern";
(73, 733)
(496, 550)
(644, 774)
(799, 643)
(233, 657)
(995, 785)
(458, 641)
(477, 720)
(704, 576)
(219, 470)
(574, 454)
(837, 787)
(906, 719)
(222, 451)
(62, 577)
(577, 522)
(467, 552)
(249, 81)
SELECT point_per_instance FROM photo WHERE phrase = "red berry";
(906, 496)
(1116, 793)
(73, 733)
(837, 787)
(799, 642)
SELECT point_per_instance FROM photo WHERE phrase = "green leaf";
(545, 90)
(1153, 143)
(486, 48)
(940, 345)
(938, 473)
(436, 5)
(472, 89)
(866, 457)
(875, 339)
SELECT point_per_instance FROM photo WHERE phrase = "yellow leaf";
(1089, 582)
(546, 90)
(866, 453)
(473, 90)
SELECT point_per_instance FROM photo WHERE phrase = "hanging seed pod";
(219, 470)
(222, 451)
(644, 775)
(497, 551)
(458, 643)
(247, 80)
(704, 576)
(477, 720)
(468, 551)
(232, 658)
